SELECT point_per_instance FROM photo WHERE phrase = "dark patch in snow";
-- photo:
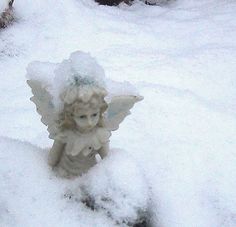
(157, 2)
(7, 16)
(90, 202)
(112, 2)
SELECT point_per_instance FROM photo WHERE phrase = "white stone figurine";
(79, 120)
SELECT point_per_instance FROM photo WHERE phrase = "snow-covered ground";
(179, 144)
(3, 5)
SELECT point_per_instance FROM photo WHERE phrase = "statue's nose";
(89, 121)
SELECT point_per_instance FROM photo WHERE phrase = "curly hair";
(76, 98)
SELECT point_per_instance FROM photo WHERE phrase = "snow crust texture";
(180, 141)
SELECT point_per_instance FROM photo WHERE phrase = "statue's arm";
(104, 150)
(55, 153)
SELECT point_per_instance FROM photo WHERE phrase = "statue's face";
(86, 119)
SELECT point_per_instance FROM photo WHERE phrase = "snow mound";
(31, 195)
(118, 188)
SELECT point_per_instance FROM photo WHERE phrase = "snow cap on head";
(80, 70)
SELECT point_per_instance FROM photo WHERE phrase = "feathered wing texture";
(43, 101)
(118, 109)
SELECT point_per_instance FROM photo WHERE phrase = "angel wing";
(43, 101)
(118, 109)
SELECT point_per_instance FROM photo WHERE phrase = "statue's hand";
(88, 151)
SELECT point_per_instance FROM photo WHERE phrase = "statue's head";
(83, 107)
(79, 92)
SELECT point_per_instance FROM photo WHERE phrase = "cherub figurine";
(79, 119)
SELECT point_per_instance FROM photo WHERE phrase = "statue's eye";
(82, 117)
(95, 115)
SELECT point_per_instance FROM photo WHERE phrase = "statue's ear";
(62, 95)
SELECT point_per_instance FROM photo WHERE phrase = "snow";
(31, 195)
(3, 5)
(177, 146)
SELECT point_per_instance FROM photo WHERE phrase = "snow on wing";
(118, 109)
(43, 101)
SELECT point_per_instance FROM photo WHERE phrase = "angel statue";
(80, 114)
